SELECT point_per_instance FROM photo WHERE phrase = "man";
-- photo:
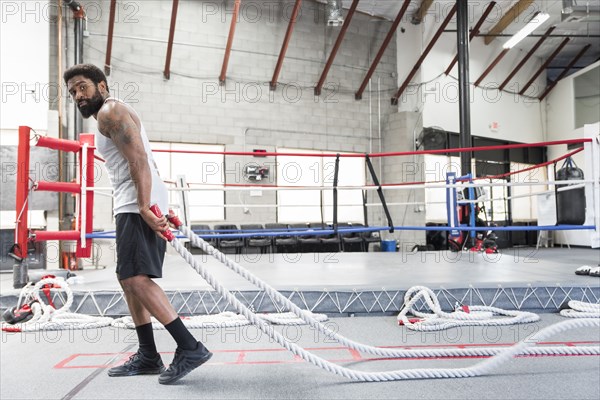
(140, 244)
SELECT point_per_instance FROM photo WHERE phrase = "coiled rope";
(580, 309)
(473, 316)
(46, 317)
(524, 347)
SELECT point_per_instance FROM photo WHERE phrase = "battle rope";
(465, 316)
(580, 309)
(481, 368)
(46, 316)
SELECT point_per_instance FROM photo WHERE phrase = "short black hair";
(89, 71)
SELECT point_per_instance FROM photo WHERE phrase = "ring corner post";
(21, 208)
(592, 163)
(86, 198)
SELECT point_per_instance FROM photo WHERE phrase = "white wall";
(560, 106)
(24, 64)
(519, 118)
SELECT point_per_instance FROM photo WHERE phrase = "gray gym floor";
(247, 364)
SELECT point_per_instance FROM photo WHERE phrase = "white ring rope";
(524, 347)
(45, 317)
(225, 319)
(477, 315)
(580, 309)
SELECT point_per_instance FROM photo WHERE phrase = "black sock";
(146, 339)
(181, 334)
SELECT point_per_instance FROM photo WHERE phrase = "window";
(201, 171)
(307, 205)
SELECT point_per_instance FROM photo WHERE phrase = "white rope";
(47, 318)
(579, 309)
(477, 315)
(478, 369)
(226, 319)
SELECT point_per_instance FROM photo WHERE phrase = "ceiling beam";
(236, 10)
(425, 53)
(167, 72)
(565, 72)
(491, 66)
(384, 45)
(526, 58)
(544, 65)
(284, 46)
(109, 39)
(508, 18)
(473, 33)
(419, 15)
(336, 47)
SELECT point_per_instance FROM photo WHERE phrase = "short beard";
(93, 105)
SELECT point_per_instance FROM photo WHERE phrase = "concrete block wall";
(398, 137)
(243, 114)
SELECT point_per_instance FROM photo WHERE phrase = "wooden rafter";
(424, 55)
(234, 17)
(167, 72)
(384, 45)
(544, 65)
(418, 16)
(284, 46)
(565, 71)
(109, 39)
(336, 47)
(508, 18)
(526, 58)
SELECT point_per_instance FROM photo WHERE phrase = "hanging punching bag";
(570, 204)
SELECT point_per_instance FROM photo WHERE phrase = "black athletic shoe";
(139, 364)
(184, 362)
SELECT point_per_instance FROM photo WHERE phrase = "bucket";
(388, 245)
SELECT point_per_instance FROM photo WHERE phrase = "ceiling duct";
(572, 12)
(334, 13)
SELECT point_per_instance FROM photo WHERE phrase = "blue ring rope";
(323, 232)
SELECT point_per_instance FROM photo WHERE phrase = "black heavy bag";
(570, 204)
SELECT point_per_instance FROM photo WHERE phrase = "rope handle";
(167, 232)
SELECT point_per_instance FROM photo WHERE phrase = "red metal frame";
(527, 57)
(85, 249)
(236, 10)
(544, 66)
(22, 223)
(284, 46)
(565, 71)
(424, 54)
(62, 187)
(474, 32)
(109, 39)
(336, 47)
(491, 66)
(86, 169)
(384, 45)
(167, 72)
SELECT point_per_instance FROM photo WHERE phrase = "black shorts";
(139, 250)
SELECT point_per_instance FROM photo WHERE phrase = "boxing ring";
(458, 301)
(378, 280)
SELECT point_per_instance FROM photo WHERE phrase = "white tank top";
(125, 193)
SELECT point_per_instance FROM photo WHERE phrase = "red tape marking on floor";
(73, 361)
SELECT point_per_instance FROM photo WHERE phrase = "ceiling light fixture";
(537, 20)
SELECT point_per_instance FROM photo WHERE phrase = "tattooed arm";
(115, 122)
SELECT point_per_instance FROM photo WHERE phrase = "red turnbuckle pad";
(174, 219)
(167, 232)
